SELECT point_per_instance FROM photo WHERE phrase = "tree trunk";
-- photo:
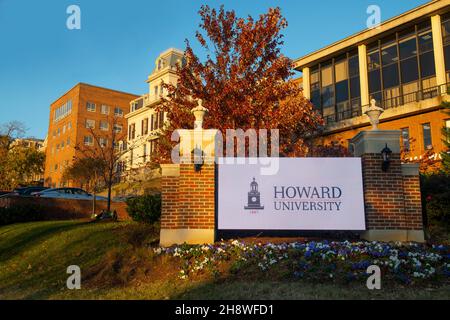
(110, 182)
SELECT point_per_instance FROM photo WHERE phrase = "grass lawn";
(116, 264)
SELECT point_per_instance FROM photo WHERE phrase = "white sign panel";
(305, 194)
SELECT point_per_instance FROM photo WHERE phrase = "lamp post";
(374, 113)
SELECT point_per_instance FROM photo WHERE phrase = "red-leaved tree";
(244, 81)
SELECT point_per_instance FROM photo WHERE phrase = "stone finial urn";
(199, 113)
(374, 113)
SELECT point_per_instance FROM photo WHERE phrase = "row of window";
(156, 122)
(147, 150)
(57, 167)
(62, 111)
(61, 130)
(400, 68)
(103, 142)
(104, 125)
(60, 146)
(401, 65)
(104, 109)
(446, 43)
(426, 136)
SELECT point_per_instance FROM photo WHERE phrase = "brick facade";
(188, 200)
(413, 203)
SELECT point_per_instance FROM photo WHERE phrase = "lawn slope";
(116, 263)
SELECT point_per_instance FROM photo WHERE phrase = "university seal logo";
(254, 198)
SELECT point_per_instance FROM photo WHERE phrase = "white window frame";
(120, 113)
(90, 106)
(90, 126)
(89, 141)
(104, 109)
(104, 128)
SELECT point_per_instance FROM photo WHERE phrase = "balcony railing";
(423, 94)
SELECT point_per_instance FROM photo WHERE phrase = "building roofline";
(167, 51)
(366, 34)
(79, 84)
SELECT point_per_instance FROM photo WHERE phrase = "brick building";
(71, 118)
(404, 65)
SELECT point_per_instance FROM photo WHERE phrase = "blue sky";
(40, 58)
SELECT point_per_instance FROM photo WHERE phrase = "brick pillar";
(413, 202)
(188, 196)
(392, 198)
(169, 196)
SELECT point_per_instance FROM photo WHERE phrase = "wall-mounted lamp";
(199, 158)
(386, 155)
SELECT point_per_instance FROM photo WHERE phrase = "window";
(144, 126)
(144, 155)
(401, 65)
(447, 130)
(446, 42)
(62, 145)
(64, 129)
(327, 91)
(161, 119)
(59, 132)
(104, 125)
(426, 57)
(132, 131)
(117, 128)
(90, 124)
(69, 126)
(118, 112)
(335, 87)
(315, 89)
(88, 141)
(156, 91)
(105, 109)
(426, 129)
(90, 107)
(63, 111)
(405, 139)
(68, 141)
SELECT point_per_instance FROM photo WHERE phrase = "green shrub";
(435, 189)
(21, 213)
(145, 208)
(438, 208)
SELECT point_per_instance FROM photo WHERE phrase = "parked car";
(67, 193)
(24, 191)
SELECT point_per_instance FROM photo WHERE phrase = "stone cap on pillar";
(410, 169)
(374, 141)
(170, 170)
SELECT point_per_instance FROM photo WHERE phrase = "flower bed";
(345, 261)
